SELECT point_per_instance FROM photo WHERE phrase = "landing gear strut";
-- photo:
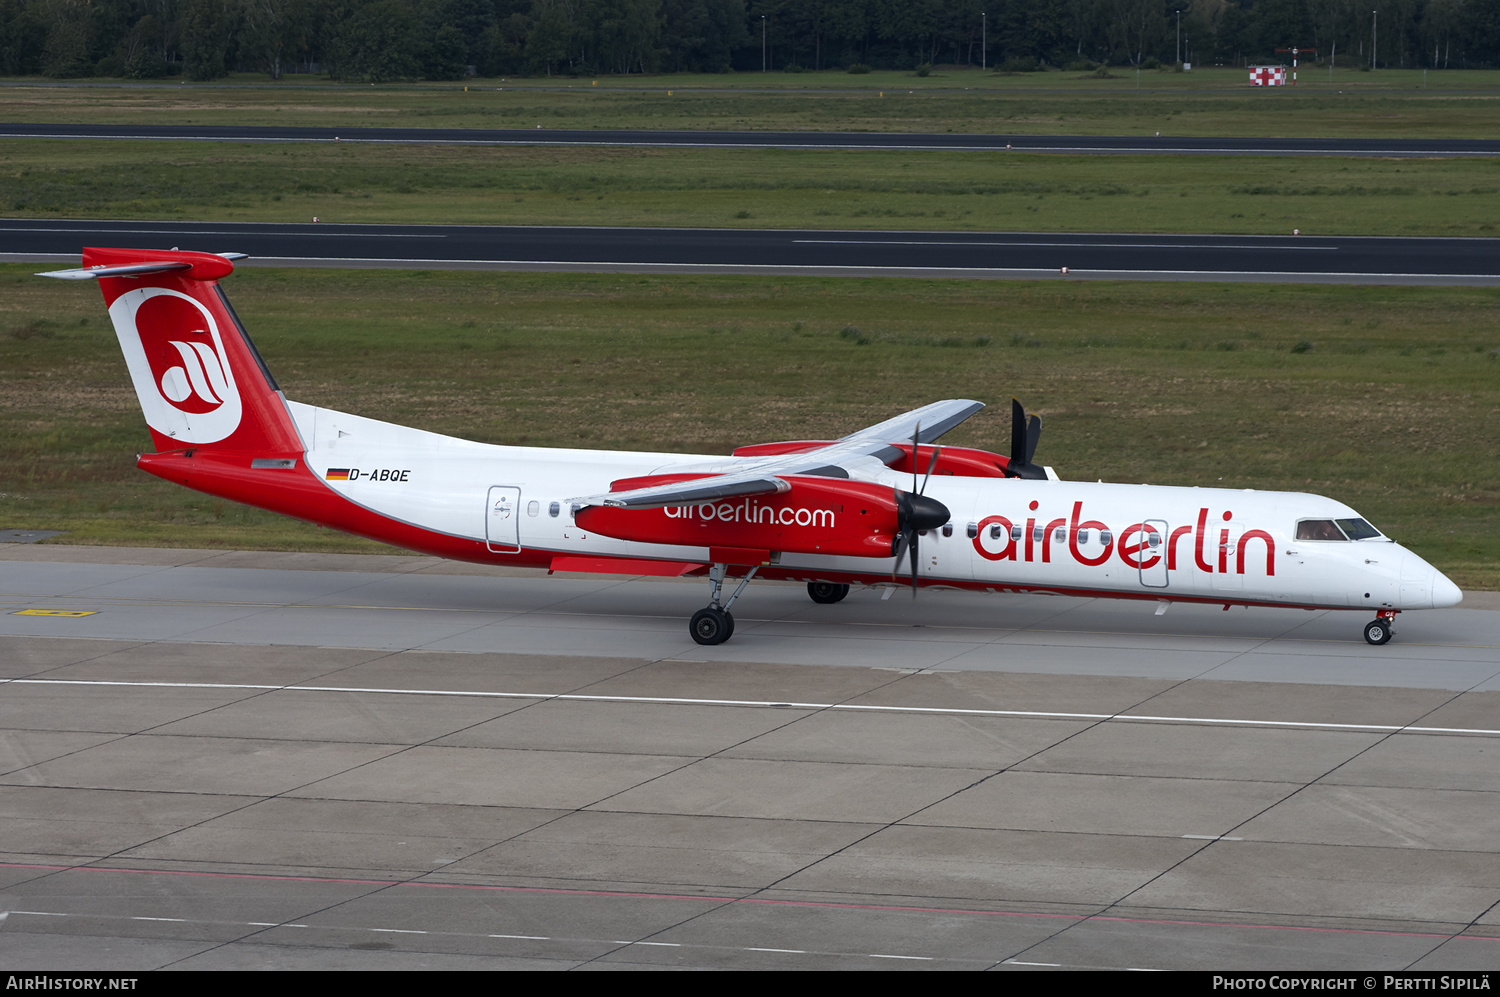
(713, 624)
(1378, 630)
(826, 593)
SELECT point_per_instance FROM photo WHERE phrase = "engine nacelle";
(831, 516)
(960, 462)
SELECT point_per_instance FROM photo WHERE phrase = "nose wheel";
(713, 624)
(1378, 630)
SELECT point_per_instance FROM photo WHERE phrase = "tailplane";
(200, 380)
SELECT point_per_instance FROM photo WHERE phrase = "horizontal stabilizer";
(136, 262)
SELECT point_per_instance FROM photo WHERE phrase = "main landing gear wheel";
(711, 626)
(827, 593)
(1378, 631)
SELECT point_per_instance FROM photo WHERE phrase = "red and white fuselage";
(1213, 544)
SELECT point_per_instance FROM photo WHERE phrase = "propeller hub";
(918, 512)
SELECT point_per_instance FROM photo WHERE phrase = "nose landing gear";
(1378, 630)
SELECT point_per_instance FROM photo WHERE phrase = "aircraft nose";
(1444, 592)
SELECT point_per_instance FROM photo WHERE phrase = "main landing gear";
(1378, 630)
(826, 593)
(713, 624)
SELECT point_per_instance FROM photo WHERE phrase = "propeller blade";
(902, 541)
(1017, 432)
(916, 437)
(914, 537)
(930, 465)
(1023, 440)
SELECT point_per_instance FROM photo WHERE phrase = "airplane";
(830, 513)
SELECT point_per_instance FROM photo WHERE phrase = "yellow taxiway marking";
(54, 612)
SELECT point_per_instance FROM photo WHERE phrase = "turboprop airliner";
(858, 510)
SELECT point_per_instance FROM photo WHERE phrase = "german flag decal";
(337, 474)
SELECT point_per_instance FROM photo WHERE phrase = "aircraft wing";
(764, 475)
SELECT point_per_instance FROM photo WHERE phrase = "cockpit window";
(1318, 529)
(1358, 529)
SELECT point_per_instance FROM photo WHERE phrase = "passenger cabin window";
(1083, 536)
(554, 509)
(533, 508)
(1106, 537)
(1154, 539)
(1015, 533)
(1318, 529)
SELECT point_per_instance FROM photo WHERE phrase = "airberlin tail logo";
(175, 353)
(198, 383)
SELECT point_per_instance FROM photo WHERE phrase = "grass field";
(1386, 398)
(757, 188)
(1206, 101)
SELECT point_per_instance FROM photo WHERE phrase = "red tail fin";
(199, 379)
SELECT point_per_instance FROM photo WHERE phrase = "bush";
(1019, 64)
(859, 68)
(925, 69)
(147, 65)
(1081, 66)
(1151, 62)
(794, 68)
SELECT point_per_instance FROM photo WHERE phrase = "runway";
(976, 255)
(1133, 145)
(244, 759)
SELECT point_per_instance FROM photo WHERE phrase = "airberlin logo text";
(1216, 549)
(753, 512)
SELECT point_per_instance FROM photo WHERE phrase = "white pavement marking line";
(1211, 837)
(752, 948)
(1063, 245)
(944, 711)
(922, 958)
(528, 938)
(775, 267)
(399, 931)
(767, 704)
(218, 233)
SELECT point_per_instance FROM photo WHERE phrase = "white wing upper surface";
(763, 475)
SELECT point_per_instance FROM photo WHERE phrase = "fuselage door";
(502, 519)
(1152, 555)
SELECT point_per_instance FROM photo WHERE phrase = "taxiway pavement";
(252, 760)
(1159, 145)
(981, 255)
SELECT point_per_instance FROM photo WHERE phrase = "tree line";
(386, 40)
